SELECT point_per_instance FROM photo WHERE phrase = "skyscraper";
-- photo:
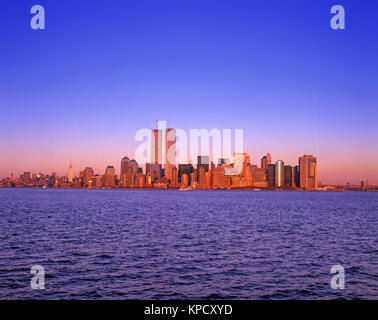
(259, 176)
(279, 178)
(296, 173)
(124, 165)
(170, 152)
(170, 146)
(133, 166)
(87, 177)
(271, 175)
(156, 146)
(288, 176)
(266, 160)
(109, 177)
(308, 172)
(70, 178)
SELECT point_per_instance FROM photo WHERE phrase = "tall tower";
(70, 178)
(124, 165)
(308, 172)
(170, 146)
(170, 152)
(156, 146)
(279, 173)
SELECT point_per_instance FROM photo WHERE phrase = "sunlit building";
(259, 176)
(129, 168)
(96, 181)
(174, 178)
(170, 152)
(70, 175)
(109, 177)
(156, 146)
(202, 177)
(124, 165)
(279, 178)
(170, 146)
(308, 172)
(184, 180)
(87, 177)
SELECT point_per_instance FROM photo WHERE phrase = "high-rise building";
(170, 146)
(174, 178)
(96, 181)
(202, 177)
(87, 177)
(288, 176)
(266, 160)
(70, 176)
(279, 178)
(217, 177)
(184, 180)
(109, 177)
(133, 166)
(124, 165)
(170, 152)
(156, 146)
(271, 175)
(129, 168)
(259, 177)
(296, 173)
(308, 172)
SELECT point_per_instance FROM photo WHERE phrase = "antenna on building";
(157, 122)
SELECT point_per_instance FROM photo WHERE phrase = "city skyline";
(201, 175)
(76, 169)
(80, 89)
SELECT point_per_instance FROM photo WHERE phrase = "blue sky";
(101, 70)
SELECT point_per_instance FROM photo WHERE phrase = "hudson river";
(147, 244)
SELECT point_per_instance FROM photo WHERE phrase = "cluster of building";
(241, 174)
(203, 175)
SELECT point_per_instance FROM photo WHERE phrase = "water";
(147, 244)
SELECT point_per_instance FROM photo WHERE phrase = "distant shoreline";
(177, 189)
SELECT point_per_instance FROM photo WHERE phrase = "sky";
(101, 70)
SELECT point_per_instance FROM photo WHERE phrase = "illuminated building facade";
(308, 172)
(279, 178)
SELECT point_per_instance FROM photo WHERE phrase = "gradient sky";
(80, 89)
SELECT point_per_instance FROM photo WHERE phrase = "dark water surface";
(147, 244)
